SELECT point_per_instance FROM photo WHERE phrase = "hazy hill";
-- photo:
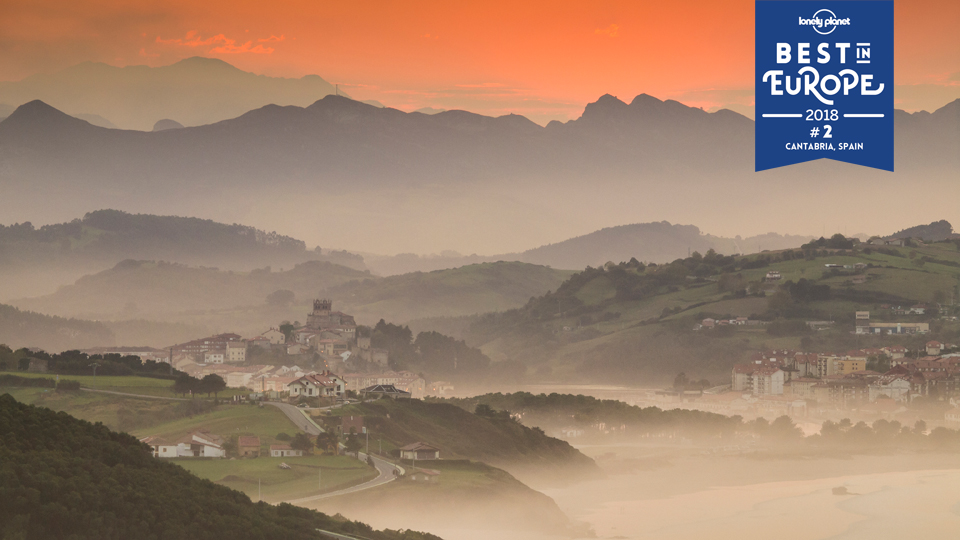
(158, 290)
(936, 231)
(85, 481)
(193, 91)
(402, 178)
(649, 242)
(36, 261)
(28, 329)
(238, 301)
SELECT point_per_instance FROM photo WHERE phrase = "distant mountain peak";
(206, 63)
(37, 114)
(165, 124)
(645, 100)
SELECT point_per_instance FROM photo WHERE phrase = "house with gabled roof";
(248, 446)
(419, 451)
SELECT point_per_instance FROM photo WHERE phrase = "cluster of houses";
(202, 443)
(842, 380)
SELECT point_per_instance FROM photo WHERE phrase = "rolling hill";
(631, 323)
(649, 242)
(198, 297)
(37, 260)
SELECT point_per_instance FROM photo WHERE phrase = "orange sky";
(544, 59)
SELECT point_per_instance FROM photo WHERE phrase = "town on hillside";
(324, 358)
(866, 383)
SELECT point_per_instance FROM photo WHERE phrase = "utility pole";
(94, 366)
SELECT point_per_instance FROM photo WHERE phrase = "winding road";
(388, 472)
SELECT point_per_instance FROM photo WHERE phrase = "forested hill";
(63, 252)
(66, 478)
(28, 329)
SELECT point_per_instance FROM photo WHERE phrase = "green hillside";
(495, 439)
(66, 478)
(633, 323)
(475, 288)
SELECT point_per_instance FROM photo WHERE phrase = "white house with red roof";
(324, 384)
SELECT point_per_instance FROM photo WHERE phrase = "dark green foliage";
(837, 241)
(556, 411)
(301, 441)
(492, 437)
(78, 363)
(63, 478)
(13, 380)
(431, 351)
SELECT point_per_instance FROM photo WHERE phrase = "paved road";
(132, 395)
(296, 416)
(384, 468)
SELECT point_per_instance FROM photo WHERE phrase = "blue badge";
(824, 82)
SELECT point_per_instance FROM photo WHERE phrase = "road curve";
(388, 472)
(385, 468)
(296, 416)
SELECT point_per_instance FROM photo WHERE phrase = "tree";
(328, 442)
(301, 442)
(680, 382)
(784, 428)
(281, 297)
(212, 384)
(185, 384)
(353, 444)
(287, 329)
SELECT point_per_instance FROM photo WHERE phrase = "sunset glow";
(543, 59)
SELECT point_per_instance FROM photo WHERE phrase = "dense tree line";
(431, 351)
(565, 410)
(78, 363)
(63, 478)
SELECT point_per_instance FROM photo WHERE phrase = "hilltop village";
(292, 360)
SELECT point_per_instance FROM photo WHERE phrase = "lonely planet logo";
(824, 21)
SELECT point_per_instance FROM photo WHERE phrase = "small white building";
(201, 444)
(283, 450)
(213, 357)
(160, 448)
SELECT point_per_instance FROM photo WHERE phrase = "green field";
(308, 475)
(229, 420)
(126, 384)
(90, 406)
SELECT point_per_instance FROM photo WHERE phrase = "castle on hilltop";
(324, 318)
